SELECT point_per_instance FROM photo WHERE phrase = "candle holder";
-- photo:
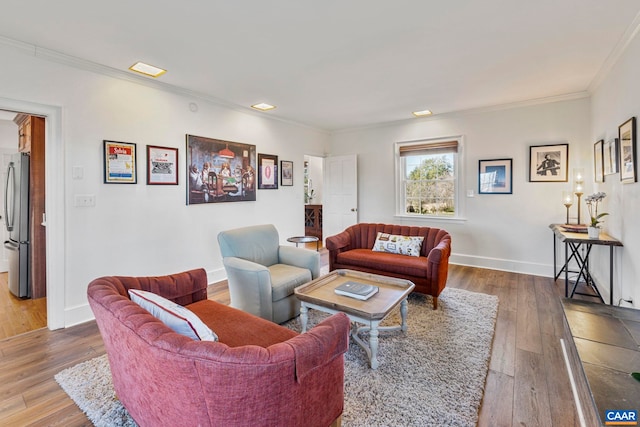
(567, 199)
(578, 186)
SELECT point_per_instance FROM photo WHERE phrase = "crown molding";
(620, 47)
(478, 110)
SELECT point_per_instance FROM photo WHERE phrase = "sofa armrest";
(249, 286)
(319, 346)
(338, 242)
(300, 257)
(438, 265)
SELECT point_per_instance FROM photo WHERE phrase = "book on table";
(361, 291)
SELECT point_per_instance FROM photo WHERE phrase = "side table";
(305, 239)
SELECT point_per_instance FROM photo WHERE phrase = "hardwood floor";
(526, 386)
(18, 316)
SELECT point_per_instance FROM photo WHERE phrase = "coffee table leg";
(303, 316)
(373, 345)
(403, 314)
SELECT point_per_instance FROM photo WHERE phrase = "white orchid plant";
(592, 201)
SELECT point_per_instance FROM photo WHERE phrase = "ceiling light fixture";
(263, 106)
(147, 70)
(422, 113)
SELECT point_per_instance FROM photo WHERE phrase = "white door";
(5, 153)
(340, 198)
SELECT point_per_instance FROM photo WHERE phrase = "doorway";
(19, 315)
(313, 185)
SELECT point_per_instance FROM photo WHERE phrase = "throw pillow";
(403, 245)
(179, 318)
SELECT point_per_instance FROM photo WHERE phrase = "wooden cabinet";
(31, 140)
(313, 220)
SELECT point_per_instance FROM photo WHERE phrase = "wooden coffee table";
(319, 294)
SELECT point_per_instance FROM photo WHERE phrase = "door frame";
(54, 204)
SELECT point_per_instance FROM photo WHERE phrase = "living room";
(149, 230)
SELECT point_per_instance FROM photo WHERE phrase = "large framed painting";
(495, 176)
(220, 171)
(549, 163)
(627, 135)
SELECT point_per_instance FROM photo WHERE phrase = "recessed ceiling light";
(147, 70)
(263, 106)
(422, 113)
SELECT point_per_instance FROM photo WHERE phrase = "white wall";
(140, 229)
(614, 101)
(315, 174)
(508, 232)
(8, 134)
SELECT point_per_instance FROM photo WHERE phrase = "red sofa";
(258, 373)
(352, 249)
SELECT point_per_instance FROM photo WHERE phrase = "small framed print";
(268, 176)
(286, 173)
(598, 161)
(610, 157)
(495, 176)
(549, 163)
(627, 136)
(120, 162)
(162, 165)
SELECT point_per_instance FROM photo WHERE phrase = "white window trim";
(460, 180)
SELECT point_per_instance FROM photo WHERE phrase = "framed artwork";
(286, 173)
(598, 161)
(162, 165)
(610, 156)
(268, 172)
(627, 135)
(120, 162)
(495, 176)
(549, 163)
(220, 171)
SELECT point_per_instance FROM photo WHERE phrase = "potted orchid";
(592, 204)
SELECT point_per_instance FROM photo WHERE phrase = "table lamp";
(567, 199)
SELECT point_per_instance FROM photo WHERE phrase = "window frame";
(400, 184)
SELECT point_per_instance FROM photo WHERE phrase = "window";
(428, 177)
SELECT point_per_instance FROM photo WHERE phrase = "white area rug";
(432, 375)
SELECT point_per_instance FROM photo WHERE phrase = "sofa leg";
(435, 303)
(337, 422)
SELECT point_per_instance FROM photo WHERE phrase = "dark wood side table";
(305, 239)
(575, 241)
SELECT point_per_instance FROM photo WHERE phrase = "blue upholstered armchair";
(262, 274)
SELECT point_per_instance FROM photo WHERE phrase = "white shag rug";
(432, 375)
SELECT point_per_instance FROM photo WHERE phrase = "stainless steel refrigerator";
(16, 214)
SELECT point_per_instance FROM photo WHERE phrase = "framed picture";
(598, 161)
(268, 174)
(495, 176)
(220, 171)
(627, 135)
(610, 156)
(162, 165)
(549, 163)
(286, 173)
(120, 162)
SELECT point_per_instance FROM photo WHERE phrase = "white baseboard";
(535, 269)
(82, 313)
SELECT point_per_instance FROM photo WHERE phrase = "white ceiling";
(337, 64)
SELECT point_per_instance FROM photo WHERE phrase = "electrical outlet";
(85, 200)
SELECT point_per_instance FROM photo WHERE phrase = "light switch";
(470, 193)
(77, 172)
(85, 200)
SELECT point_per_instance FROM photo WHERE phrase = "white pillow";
(403, 245)
(179, 318)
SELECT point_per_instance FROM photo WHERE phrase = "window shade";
(429, 148)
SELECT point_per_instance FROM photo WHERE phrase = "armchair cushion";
(179, 318)
(285, 278)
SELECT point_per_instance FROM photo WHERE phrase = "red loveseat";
(257, 374)
(352, 249)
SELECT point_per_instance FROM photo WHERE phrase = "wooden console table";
(575, 241)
